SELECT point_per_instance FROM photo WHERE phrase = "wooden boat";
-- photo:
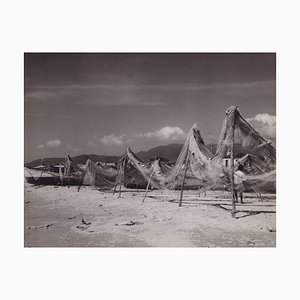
(44, 177)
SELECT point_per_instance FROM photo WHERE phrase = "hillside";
(81, 159)
(169, 152)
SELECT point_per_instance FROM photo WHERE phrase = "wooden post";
(184, 175)
(81, 180)
(117, 177)
(233, 211)
(69, 180)
(173, 185)
(148, 186)
(63, 177)
(60, 174)
(82, 177)
(120, 183)
(67, 173)
(121, 177)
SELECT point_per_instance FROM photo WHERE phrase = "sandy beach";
(58, 216)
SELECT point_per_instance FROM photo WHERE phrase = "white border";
(93, 26)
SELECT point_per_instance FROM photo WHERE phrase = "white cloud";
(109, 140)
(170, 133)
(53, 143)
(265, 124)
(41, 146)
(112, 140)
(166, 133)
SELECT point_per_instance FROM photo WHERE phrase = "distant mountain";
(46, 161)
(81, 159)
(168, 152)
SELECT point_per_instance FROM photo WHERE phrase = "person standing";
(239, 178)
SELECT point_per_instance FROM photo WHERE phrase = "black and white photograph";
(150, 149)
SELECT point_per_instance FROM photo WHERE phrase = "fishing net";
(253, 142)
(258, 176)
(72, 172)
(98, 176)
(194, 162)
(195, 166)
(161, 171)
(204, 171)
(71, 168)
(138, 172)
(259, 165)
(226, 135)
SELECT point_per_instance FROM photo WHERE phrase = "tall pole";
(149, 181)
(184, 175)
(117, 178)
(60, 173)
(233, 211)
(69, 182)
(82, 177)
(122, 173)
(120, 187)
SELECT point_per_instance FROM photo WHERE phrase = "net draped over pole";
(196, 164)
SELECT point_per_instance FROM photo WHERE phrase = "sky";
(101, 103)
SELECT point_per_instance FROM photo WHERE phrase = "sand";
(63, 217)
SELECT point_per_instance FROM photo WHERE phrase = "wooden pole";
(117, 177)
(148, 186)
(120, 187)
(63, 177)
(121, 177)
(60, 174)
(68, 174)
(233, 211)
(183, 179)
(120, 184)
(81, 180)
